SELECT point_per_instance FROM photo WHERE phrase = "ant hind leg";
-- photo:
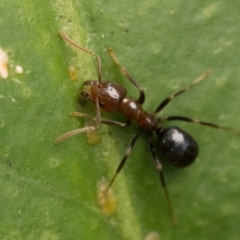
(124, 159)
(181, 91)
(196, 121)
(162, 180)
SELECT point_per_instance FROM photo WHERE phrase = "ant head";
(178, 146)
(85, 91)
(108, 94)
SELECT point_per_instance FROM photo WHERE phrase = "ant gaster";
(177, 145)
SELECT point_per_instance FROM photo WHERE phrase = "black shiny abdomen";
(177, 146)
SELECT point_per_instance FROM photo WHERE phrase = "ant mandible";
(177, 145)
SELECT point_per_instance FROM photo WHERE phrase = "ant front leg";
(125, 72)
(162, 180)
(81, 130)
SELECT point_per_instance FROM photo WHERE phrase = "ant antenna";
(81, 130)
(66, 38)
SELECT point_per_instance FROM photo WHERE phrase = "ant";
(176, 145)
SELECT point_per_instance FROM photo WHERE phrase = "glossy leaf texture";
(49, 191)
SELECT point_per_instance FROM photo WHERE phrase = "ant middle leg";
(162, 180)
(181, 91)
(125, 72)
(124, 159)
(66, 38)
(102, 120)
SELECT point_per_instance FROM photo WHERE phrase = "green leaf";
(49, 191)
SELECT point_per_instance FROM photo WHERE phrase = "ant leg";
(66, 38)
(81, 130)
(127, 152)
(181, 91)
(102, 120)
(162, 180)
(193, 120)
(128, 75)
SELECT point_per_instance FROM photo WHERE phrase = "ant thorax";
(132, 109)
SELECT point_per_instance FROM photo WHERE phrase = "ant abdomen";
(177, 146)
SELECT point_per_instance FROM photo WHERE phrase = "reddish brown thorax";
(111, 98)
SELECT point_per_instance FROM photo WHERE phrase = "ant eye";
(85, 94)
(101, 104)
(178, 146)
